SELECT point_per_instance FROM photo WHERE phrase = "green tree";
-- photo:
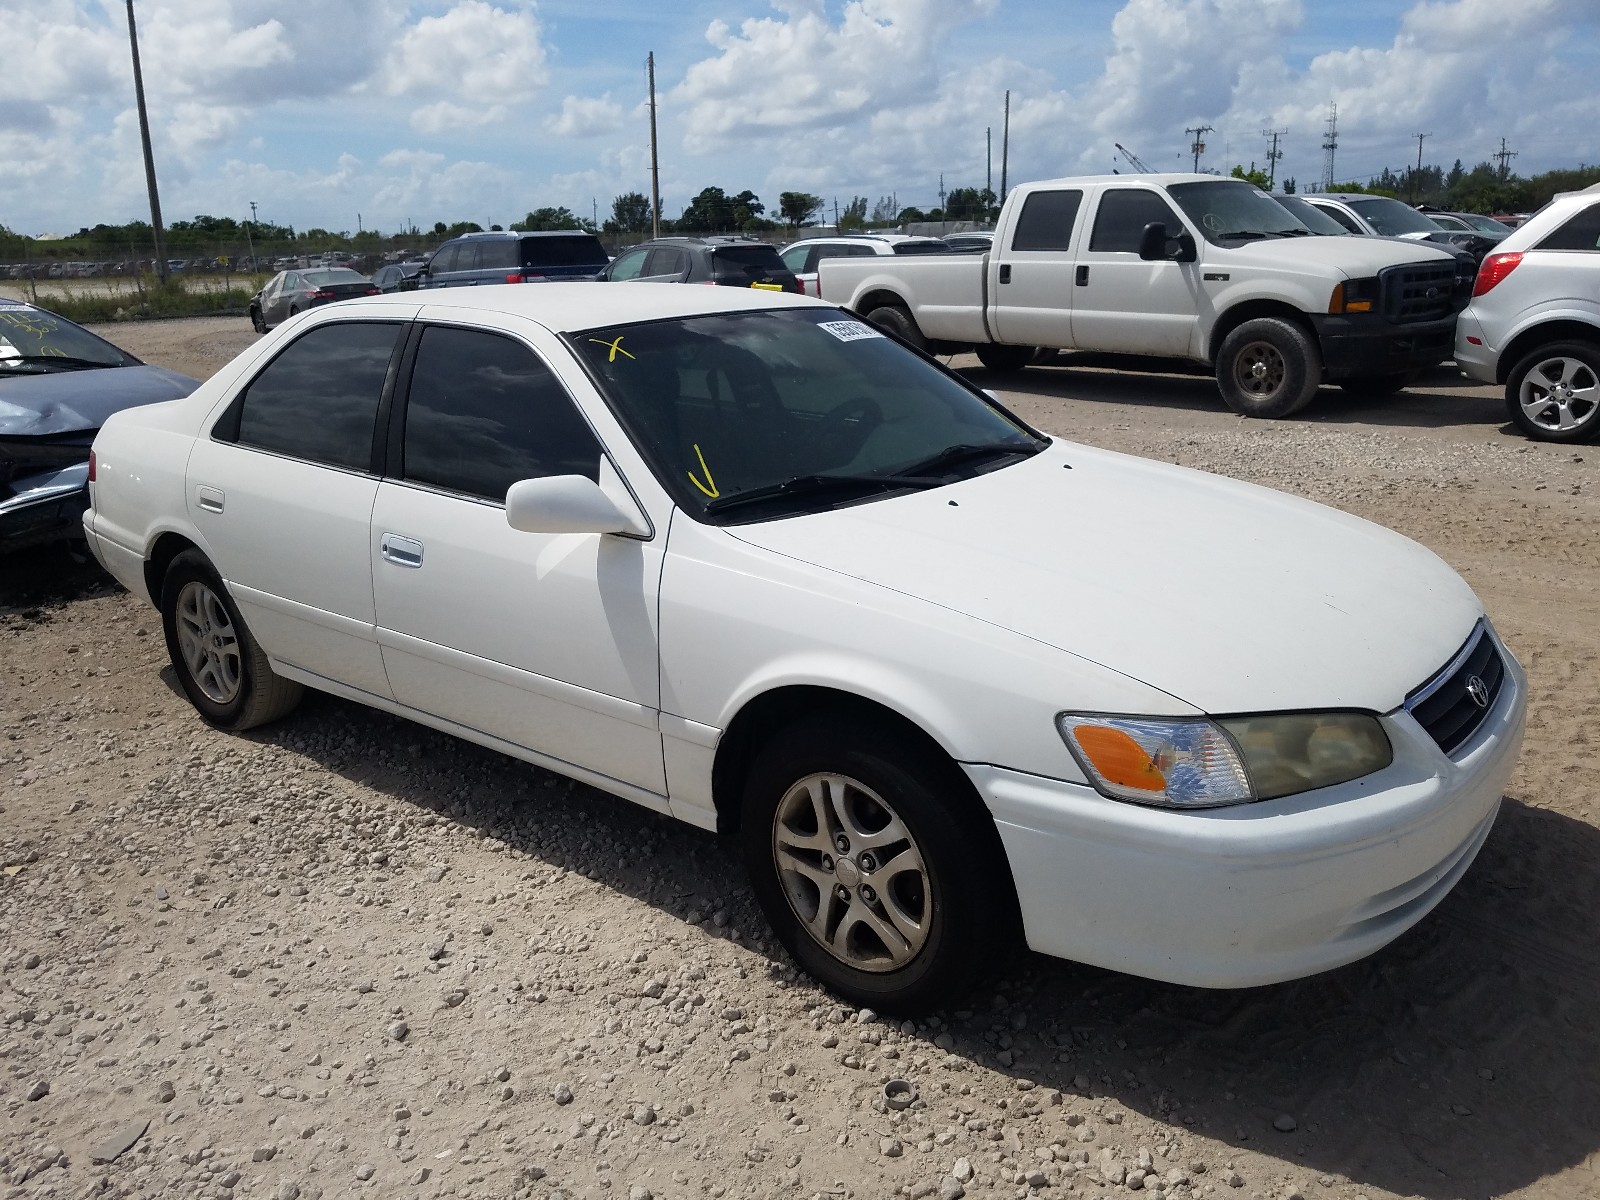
(1259, 178)
(630, 212)
(1288, 186)
(970, 204)
(709, 212)
(910, 213)
(854, 215)
(797, 208)
(548, 218)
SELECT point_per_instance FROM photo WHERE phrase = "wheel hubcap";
(207, 642)
(1259, 369)
(1559, 394)
(852, 872)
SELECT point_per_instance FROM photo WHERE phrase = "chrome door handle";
(209, 498)
(402, 551)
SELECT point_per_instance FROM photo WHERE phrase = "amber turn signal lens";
(1119, 759)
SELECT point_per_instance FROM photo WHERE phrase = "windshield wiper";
(815, 484)
(53, 360)
(954, 456)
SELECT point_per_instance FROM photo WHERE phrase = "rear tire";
(1375, 387)
(891, 318)
(223, 671)
(256, 322)
(1005, 360)
(1553, 394)
(1268, 368)
(868, 859)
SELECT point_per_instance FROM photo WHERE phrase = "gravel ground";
(348, 955)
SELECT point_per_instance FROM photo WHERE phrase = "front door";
(547, 641)
(281, 493)
(1123, 304)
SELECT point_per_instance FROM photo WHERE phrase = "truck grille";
(1419, 291)
(1452, 704)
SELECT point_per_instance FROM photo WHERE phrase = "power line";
(1198, 146)
(1504, 158)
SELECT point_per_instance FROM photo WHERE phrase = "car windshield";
(1392, 218)
(332, 275)
(32, 339)
(1312, 217)
(754, 415)
(1232, 210)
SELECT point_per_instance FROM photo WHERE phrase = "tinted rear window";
(579, 250)
(762, 257)
(333, 275)
(921, 248)
(1580, 232)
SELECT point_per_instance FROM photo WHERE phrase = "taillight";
(1494, 269)
(322, 295)
(372, 292)
(513, 278)
(91, 466)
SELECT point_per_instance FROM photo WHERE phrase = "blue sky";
(484, 109)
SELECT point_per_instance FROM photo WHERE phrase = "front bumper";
(1257, 893)
(45, 508)
(1360, 346)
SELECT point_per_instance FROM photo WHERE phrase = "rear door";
(281, 493)
(1122, 304)
(1033, 294)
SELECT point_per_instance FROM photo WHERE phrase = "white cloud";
(478, 60)
(444, 117)
(586, 117)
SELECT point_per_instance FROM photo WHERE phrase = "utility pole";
(1417, 173)
(1504, 157)
(1198, 146)
(1005, 151)
(988, 160)
(655, 163)
(1273, 155)
(250, 237)
(358, 224)
(157, 233)
(1330, 143)
(941, 194)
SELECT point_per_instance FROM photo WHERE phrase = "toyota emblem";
(1478, 691)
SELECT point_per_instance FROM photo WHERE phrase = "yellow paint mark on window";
(614, 347)
(710, 485)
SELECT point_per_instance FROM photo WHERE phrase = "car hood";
(74, 401)
(1230, 597)
(1357, 257)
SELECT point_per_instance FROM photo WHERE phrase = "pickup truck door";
(1123, 304)
(1031, 290)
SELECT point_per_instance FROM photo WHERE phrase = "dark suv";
(733, 261)
(475, 258)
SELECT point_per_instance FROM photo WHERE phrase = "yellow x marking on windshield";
(615, 348)
(712, 489)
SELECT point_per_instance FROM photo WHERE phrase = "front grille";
(1419, 291)
(1452, 704)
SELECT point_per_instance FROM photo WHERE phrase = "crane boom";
(1134, 161)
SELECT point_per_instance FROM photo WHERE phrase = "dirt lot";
(345, 954)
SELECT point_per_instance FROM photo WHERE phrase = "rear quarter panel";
(943, 292)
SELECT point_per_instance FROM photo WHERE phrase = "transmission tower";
(1273, 156)
(1329, 145)
(1504, 157)
(1198, 146)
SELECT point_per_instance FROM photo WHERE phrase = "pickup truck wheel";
(222, 670)
(1376, 386)
(896, 320)
(1553, 394)
(1268, 368)
(1005, 360)
(865, 860)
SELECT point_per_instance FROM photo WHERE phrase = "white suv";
(1534, 320)
(803, 256)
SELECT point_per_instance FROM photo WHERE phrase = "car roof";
(519, 233)
(570, 307)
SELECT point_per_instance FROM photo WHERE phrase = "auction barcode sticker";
(849, 331)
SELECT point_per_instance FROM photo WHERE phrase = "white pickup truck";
(1173, 266)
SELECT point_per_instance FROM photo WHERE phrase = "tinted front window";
(1391, 218)
(484, 412)
(445, 260)
(1580, 232)
(319, 398)
(1047, 220)
(729, 403)
(574, 250)
(1124, 212)
(629, 265)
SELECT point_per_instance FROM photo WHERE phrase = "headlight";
(1198, 763)
(1355, 296)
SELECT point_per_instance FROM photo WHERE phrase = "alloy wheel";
(1559, 394)
(208, 642)
(1259, 369)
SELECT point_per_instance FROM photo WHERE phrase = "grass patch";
(172, 299)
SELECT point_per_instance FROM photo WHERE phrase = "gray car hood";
(80, 401)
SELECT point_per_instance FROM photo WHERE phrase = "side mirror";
(1157, 245)
(567, 504)
(408, 283)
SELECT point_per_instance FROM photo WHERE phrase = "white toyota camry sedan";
(740, 558)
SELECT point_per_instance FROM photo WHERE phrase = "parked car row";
(738, 557)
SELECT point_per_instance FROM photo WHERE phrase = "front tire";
(223, 671)
(256, 320)
(893, 319)
(1553, 394)
(868, 859)
(1005, 360)
(1268, 368)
